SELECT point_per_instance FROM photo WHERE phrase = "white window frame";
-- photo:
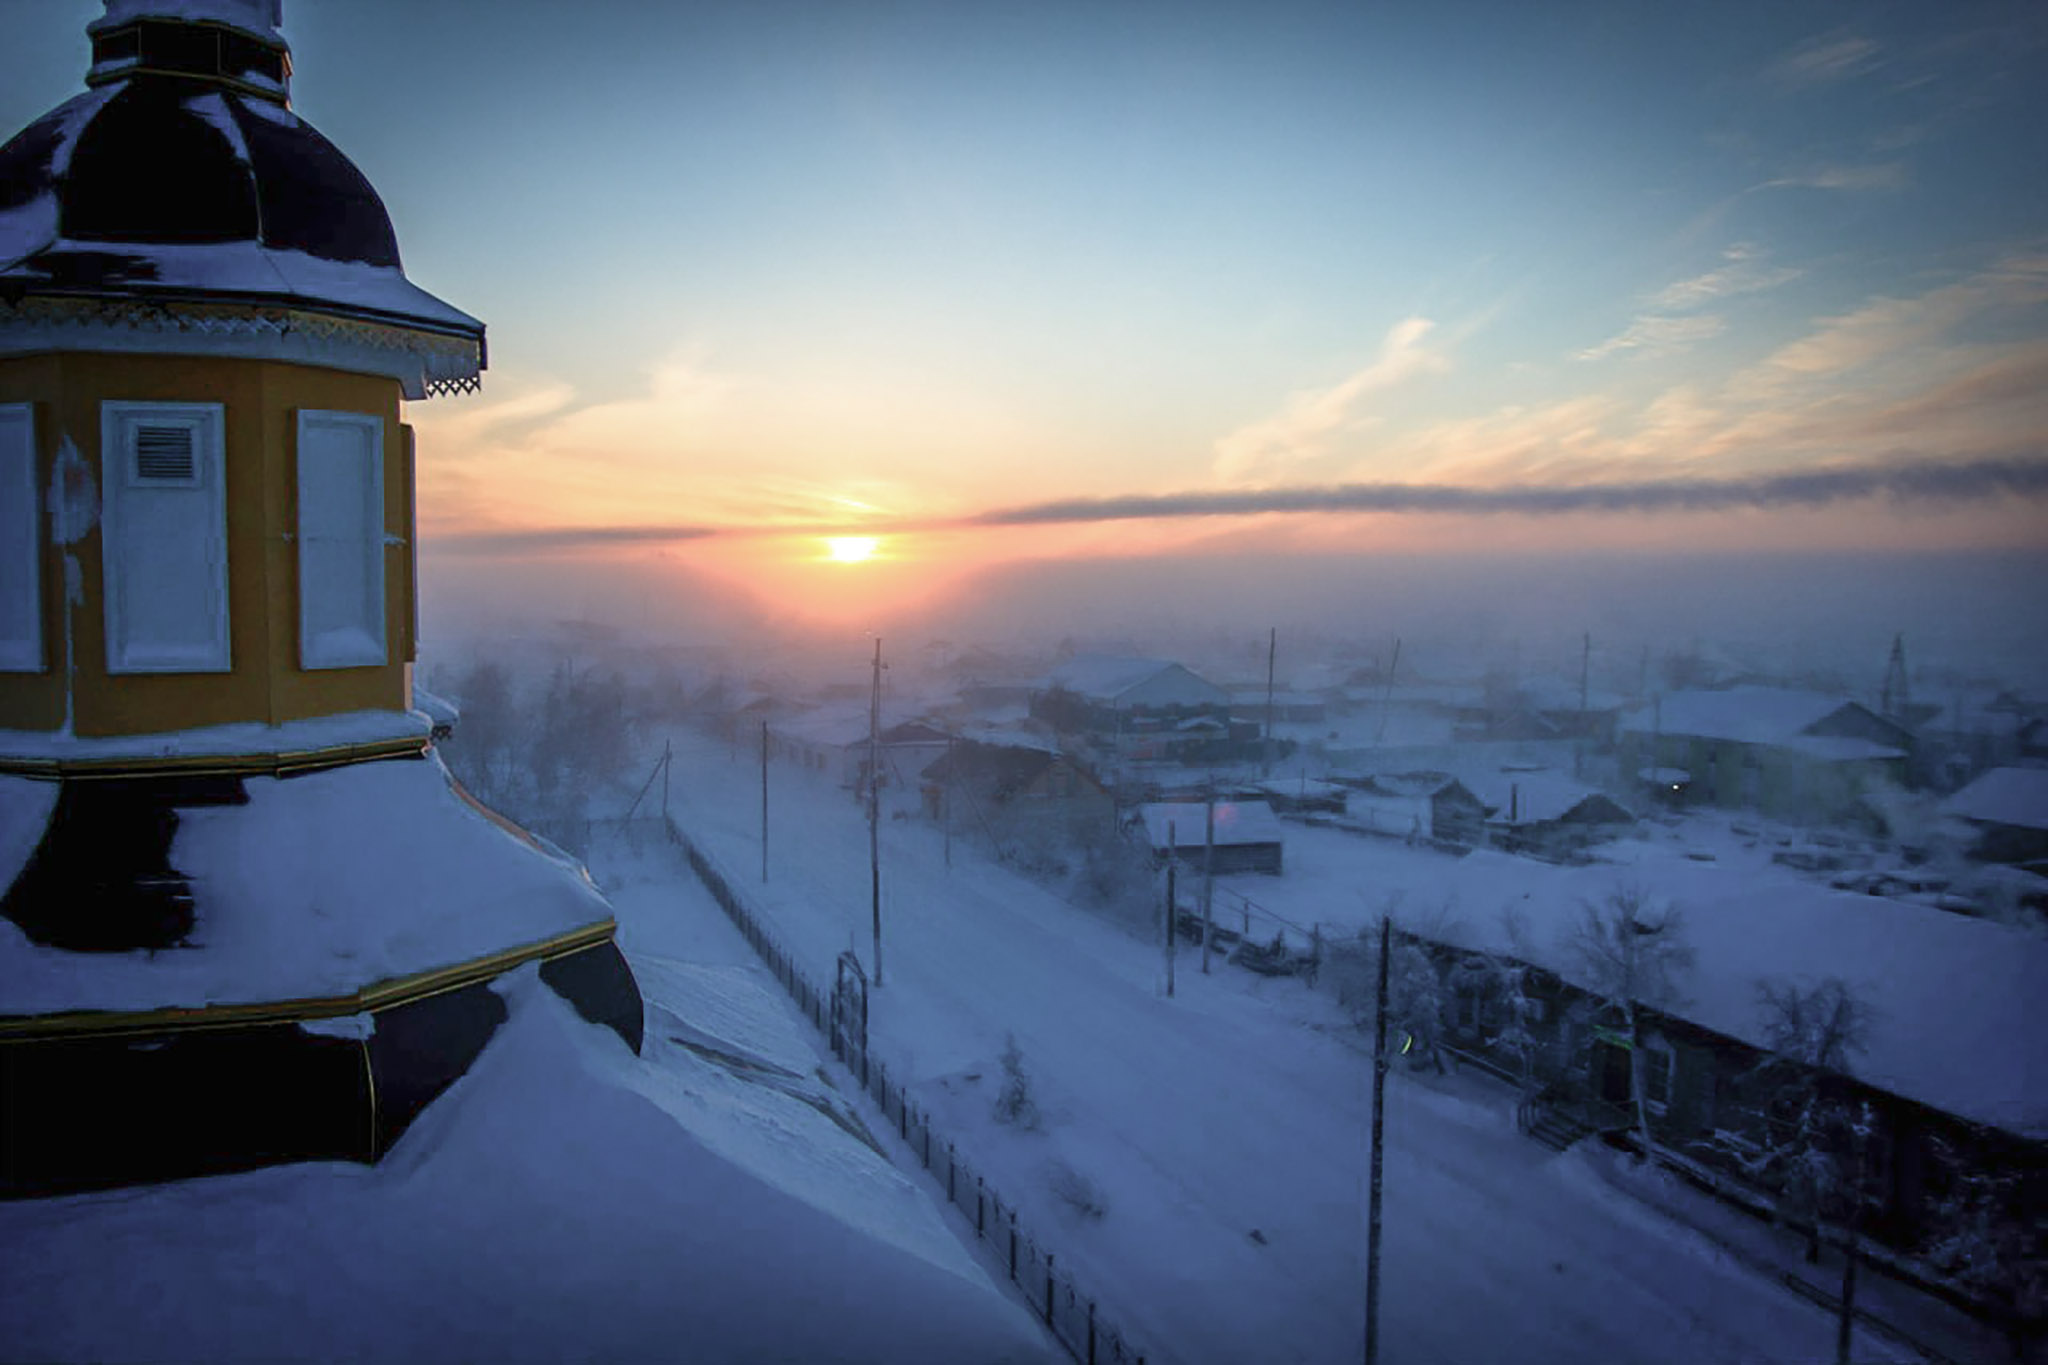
(372, 648)
(21, 537)
(118, 422)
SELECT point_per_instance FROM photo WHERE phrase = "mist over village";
(934, 683)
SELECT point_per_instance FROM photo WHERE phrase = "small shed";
(1544, 812)
(1247, 835)
(2008, 807)
(1420, 805)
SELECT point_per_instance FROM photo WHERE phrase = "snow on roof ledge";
(319, 886)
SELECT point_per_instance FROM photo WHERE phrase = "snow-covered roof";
(1750, 715)
(183, 191)
(1956, 1001)
(564, 1200)
(1110, 678)
(1546, 692)
(1237, 823)
(1840, 748)
(2004, 796)
(290, 903)
(1535, 797)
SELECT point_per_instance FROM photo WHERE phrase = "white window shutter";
(21, 543)
(163, 537)
(341, 540)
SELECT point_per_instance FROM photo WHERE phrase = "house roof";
(1006, 769)
(1109, 677)
(1238, 823)
(1534, 798)
(1748, 715)
(289, 906)
(1419, 784)
(2004, 796)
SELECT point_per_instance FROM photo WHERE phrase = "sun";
(850, 549)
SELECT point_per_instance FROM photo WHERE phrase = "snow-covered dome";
(183, 175)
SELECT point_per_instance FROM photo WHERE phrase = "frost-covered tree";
(1987, 1239)
(1811, 1138)
(1418, 1001)
(1499, 984)
(1631, 954)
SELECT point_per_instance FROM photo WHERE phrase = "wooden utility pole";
(1374, 1190)
(946, 803)
(1208, 874)
(875, 805)
(1272, 646)
(1387, 693)
(764, 801)
(1172, 858)
(1585, 675)
(668, 758)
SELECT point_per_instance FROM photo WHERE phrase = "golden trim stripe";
(288, 764)
(381, 995)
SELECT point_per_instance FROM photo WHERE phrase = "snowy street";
(1224, 1129)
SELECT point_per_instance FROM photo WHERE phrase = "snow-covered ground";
(712, 1200)
(1225, 1129)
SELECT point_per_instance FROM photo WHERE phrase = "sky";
(1003, 285)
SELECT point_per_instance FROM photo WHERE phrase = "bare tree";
(1632, 954)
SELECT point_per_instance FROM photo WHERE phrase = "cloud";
(1742, 272)
(1929, 482)
(1657, 334)
(1826, 59)
(1886, 326)
(1300, 431)
(550, 538)
(1871, 177)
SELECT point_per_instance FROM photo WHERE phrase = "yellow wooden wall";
(266, 684)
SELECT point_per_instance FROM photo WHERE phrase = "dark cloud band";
(1923, 484)
(1980, 481)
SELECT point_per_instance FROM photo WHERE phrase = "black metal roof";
(167, 160)
(182, 174)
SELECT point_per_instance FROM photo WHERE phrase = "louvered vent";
(165, 454)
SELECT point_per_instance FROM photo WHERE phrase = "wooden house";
(1245, 837)
(1790, 755)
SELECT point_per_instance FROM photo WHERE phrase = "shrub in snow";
(1076, 1190)
(1014, 1105)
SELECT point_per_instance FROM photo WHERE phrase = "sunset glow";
(949, 261)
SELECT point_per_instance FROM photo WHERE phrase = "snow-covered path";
(1238, 1106)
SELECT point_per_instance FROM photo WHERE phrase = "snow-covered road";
(1239, 1107)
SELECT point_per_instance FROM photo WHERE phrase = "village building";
(1522, 1003)
(839, 742)
(1140, 710)
(1245, 836)
(1422, 806)
(1548, 814)
(2008, 809)
(209, 737)
(1014, 782)
(1790, 755)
